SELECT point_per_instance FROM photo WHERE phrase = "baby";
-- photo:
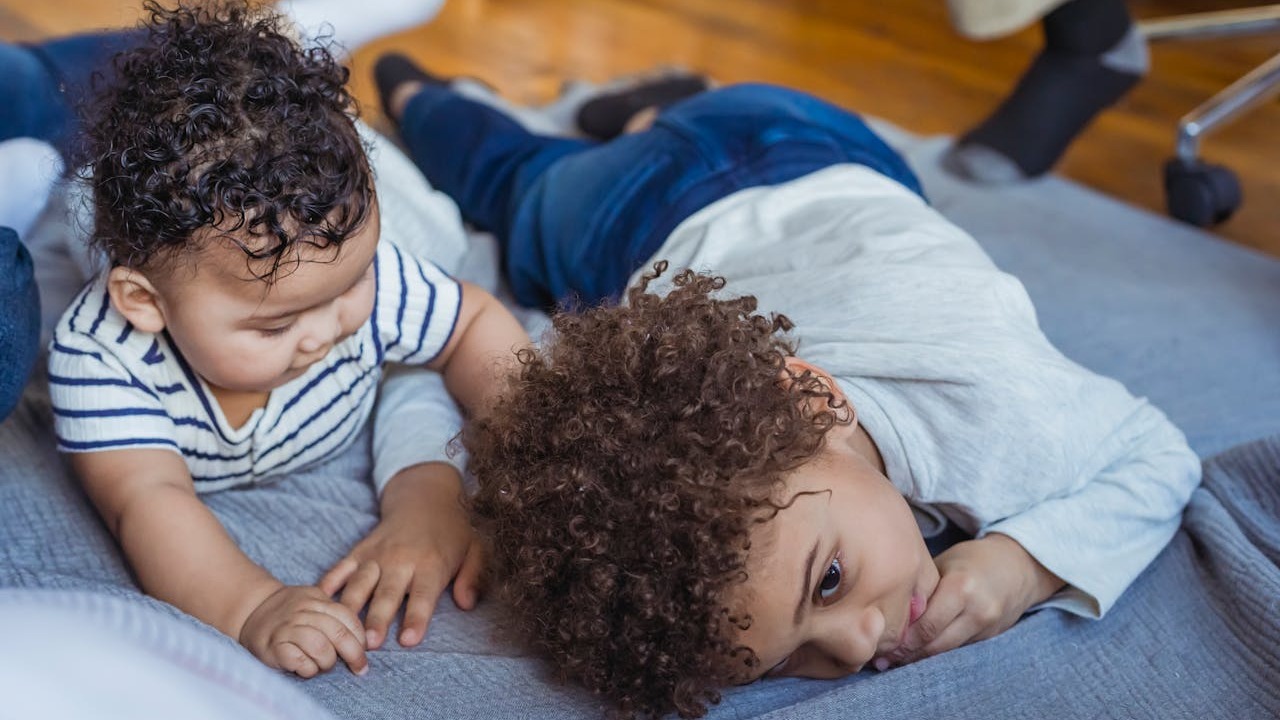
(241, 329)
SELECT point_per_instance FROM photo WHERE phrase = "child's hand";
(423, 541)
(299, 629)
(985, 587)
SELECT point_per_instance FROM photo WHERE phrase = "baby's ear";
(134, 297)
(795, 366)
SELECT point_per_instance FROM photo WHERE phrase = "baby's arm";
(424, 539)
(181, 554)
(481, 351)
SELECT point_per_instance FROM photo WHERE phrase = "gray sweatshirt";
(979, 419)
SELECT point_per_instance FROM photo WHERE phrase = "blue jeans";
(44, 85)
(576, 219)
(19, 323)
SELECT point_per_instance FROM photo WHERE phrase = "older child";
(242, 326)
(677, 495)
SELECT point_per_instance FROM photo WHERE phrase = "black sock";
(605, 117)
(1092, 57)
(391, 71)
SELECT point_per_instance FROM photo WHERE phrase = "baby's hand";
(300, 629)
(985, 587)
(423, 541)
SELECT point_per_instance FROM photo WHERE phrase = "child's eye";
(274, 332)
(831, 580)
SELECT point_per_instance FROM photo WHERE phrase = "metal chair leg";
(1246, 21)
(1197, 192)
(1259, 85)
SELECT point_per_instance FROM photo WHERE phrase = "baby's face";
(244, 334)
(835, 579)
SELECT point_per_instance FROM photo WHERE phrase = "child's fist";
(985, 586)
(300, 629)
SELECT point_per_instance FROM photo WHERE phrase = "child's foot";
(398, 79)
(1077, 76)
(608, 115)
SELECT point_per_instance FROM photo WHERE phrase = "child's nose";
(856, 641)
(325, 331)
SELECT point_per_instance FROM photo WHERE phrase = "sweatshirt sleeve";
(414, 422)
(1100, 537)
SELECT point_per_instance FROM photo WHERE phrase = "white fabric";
(353, 24)
(991, 19)
(975, 413)
(28, 170)
(84, 655)
(115, 387)
(425, 223)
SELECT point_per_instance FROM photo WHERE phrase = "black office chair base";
(1200, 193)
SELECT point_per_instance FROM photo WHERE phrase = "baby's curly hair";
(221, 120)
(621, 476)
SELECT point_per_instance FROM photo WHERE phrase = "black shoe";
(393, 70)
(605, 116)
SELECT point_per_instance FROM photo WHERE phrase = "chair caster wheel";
(1200, 193)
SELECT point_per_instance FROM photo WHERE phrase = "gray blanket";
(1180, 317)
(1197, 636)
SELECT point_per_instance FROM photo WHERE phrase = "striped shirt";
(114, 387)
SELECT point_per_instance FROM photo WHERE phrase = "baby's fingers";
(342, 636)
(317, 651)
(291, 658)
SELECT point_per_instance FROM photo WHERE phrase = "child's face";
(840, 574)
(243, 334)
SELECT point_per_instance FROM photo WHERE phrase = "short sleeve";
(416, 309)
(98, 404)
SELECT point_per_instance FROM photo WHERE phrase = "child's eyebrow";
(275, 316)
(804, 585)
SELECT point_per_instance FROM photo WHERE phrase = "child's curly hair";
(620, 478)
(221, 120)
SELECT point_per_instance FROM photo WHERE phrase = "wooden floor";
(898, 60)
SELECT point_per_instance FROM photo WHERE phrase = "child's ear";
(134, 297)
(796, 366)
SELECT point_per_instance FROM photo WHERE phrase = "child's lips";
(915, 609)
(918, 605)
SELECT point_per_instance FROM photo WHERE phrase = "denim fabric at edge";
(19, 321)
(576, 219)
(44, 84)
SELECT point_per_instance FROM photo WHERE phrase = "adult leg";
(1092, 56)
